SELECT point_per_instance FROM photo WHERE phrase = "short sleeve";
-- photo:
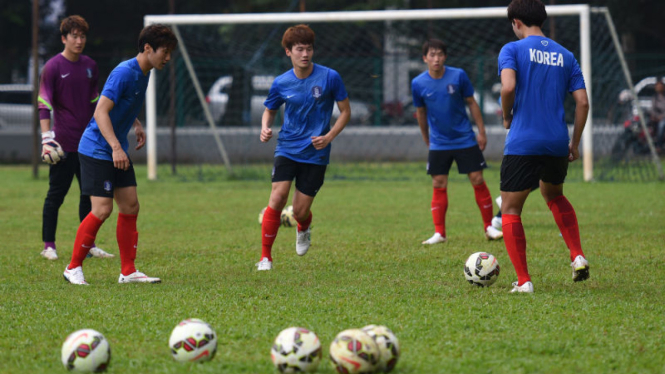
(115, 85)
(576, 81)
(466, 88)
(337, 86)
(274, 99)
(507, 58)
(417, 97)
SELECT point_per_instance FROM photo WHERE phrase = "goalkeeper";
(68, 88)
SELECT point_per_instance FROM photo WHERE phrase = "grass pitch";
(366, 265)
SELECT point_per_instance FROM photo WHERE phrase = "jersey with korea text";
(69, 90)
(444, 99)
(309, 106)
(546, 72)
(126, 87)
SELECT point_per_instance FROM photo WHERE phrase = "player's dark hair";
(72, 23)
(157, 36)
(434, 44)
(299, 34)
(530, 12)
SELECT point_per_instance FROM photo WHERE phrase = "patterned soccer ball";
(481, 269)
(296, 350)
(388, 346)
(86, 351)
(193, 340)
(354, 351)
(261, 215)
(288, 219)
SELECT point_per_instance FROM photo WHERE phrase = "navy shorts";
(468, 160)
(309, 177)
(100, 177)
(520, 173)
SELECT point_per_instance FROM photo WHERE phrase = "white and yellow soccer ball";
(52, 152)
(193, 340)
(288, 219)
(353, 351)
(388, 346)
(86, 351)
(261, 215)
(481, 269)
(296, 350)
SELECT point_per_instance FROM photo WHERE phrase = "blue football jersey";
(126, 87)
(309, 105)
(444, 99)
(545, 73)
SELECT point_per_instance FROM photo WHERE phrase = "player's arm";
(508, 84)
(581, 113)
(421, 116)
(140, 134)
(44, 100)
(103, 119)
(266, 124)
(477, 116)
(320, 142)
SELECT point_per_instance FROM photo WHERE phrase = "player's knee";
(102, 212)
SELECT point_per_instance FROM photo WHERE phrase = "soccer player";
(106, 170)
(303, 147)
(68, 88)
(536, 74)
(440, 96)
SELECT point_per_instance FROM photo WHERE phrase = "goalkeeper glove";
(52, 152)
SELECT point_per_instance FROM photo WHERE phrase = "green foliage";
(366, 265)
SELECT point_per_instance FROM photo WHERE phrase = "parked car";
(15, 105)
(218, 98)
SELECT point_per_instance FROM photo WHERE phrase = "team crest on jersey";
(89, 72)
(108, 186)
(317, 91)
(451, 89)
(544, 43)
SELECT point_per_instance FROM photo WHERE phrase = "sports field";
(366, 265)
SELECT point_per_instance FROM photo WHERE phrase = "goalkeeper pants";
(60, 179)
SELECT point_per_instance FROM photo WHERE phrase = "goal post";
(377, 53)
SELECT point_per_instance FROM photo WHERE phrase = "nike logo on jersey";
(64, 75)
(290, 96)
(546, 58)
(429, 94)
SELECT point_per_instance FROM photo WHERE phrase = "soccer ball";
(296, 350)
(86, 351)
(193, 340)
(354, 351)
(52, 153)
(388, 346)
(261, 215)
(481, 269)
(288, 219)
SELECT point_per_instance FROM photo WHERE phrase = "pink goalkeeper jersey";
(69, 89)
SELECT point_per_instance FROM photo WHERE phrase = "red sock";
(564, 215)
(269, 227)
(439, 208)
(304, 225)
(128, 239)
(513, 236)
(85, 238)
(484, 201)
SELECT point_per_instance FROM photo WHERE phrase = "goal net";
(204, 111)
